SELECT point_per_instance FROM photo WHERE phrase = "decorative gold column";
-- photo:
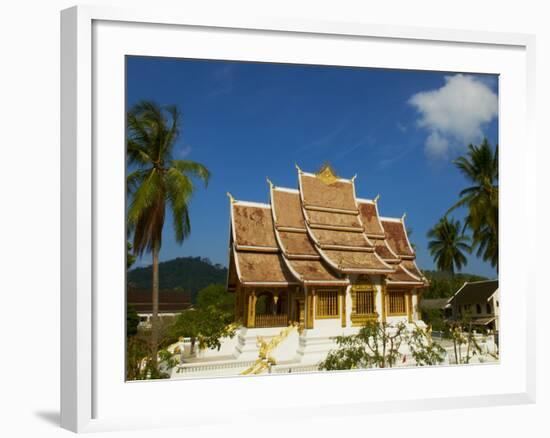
(343, 305)
(384, 295)
(251, 309)
(309, 318)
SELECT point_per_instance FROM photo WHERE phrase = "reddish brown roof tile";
(410, 266)
(370, 219)
(384, 251)
(316, 217)
(232, 278)
(288, 208)
(397, 238)
(293, 243)
(314, 271)
(253, 226)
(315, 193)
(309, 240)
(355, 261)
(258, 267)
(402, 276)
(170, 300)
(339, 238)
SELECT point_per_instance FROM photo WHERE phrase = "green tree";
(480, 167)
(132, 318)
(139, 358)
(376, 345)
(448, 244)
(216, 295)
(461, 334)
(423, 349)
(434, 318)
(211, 319)
(132, 321)
(157, 181)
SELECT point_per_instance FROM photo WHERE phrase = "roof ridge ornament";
(403, 217)
(327, 175)
(298, 167)
(376, 198)
(353, 178)
(269, 182)
(231, 198)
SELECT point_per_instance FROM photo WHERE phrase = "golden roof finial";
(353, 178)
(231, 198)
(298, 167)
(269, 182)
(327, 175)
(377, 197)
(403, 217)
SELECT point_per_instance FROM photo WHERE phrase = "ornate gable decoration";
(327, 175)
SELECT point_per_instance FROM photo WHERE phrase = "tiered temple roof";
(317, 235)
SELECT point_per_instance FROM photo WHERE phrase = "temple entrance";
(298, 311)
(271, 309)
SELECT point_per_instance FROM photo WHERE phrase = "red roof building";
(319, 255)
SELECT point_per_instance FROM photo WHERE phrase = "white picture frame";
(88, 396)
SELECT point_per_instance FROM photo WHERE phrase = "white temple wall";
(328, 324)
(349, 305)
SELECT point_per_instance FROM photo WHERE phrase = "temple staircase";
(267, 351)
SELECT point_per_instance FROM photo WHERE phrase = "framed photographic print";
(249, 206)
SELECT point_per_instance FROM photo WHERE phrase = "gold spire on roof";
(269, 182)
(231, 198)
(377, 198)
(327, 175)
(403, 217)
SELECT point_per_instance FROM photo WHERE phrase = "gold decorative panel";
(327, 175)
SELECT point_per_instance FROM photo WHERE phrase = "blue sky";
(397, 130)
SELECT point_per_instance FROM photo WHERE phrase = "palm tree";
(448, 245)
(157, 181)
(480, 166)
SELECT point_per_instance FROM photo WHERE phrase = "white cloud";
(455, 113)
(181, 152)
(436, 145)
(401, 127)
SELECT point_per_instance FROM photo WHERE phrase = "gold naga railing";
(270, 320)
(266, 348)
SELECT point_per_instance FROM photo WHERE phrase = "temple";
(316, 258)
(321, 257)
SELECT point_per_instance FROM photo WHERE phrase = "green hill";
(443, 284)
(186, 273)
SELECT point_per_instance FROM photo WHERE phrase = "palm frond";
(447, 245)
(159, 181)
(145, 196)
(192, 168)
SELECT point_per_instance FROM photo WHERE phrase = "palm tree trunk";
(154, 322)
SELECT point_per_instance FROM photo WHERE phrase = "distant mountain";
(190, 274)
(444, 285)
